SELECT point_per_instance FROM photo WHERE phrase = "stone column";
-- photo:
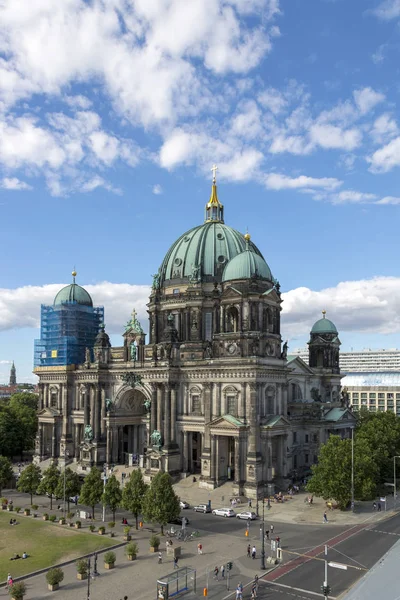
(109, 444)
(238, 477)
(167, 417)
(65, 410)
(86, 406)
(160, 394)
(174, 391)
(213, 470)
(185, 466)
(76, 440)
(54, 452)
(252, 447)
(218, 400)
(241, 407)
(207, 409)
(98, 399)
(103, 413)
(153, 413)
(92, 406)
(285, 387)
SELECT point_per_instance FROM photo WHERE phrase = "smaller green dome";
(246, 265)
(324, 325)
(73, 293)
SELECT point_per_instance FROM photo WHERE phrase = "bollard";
(246, 533)
(205, 592)
(141, 524)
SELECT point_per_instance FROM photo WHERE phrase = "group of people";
(17, 556)
(219, 571)
(13, 521)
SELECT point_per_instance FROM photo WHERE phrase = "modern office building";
(364, 361)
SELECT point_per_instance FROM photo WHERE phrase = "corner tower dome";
(73, 294)
(324, 325)
(247, 265)
(202, 253)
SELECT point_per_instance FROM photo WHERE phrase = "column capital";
(254, 386)
(207, 385)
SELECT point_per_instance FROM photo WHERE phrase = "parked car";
(248, 516)
(224, 512)
(178, 521)
(204, 508)
(183, 504)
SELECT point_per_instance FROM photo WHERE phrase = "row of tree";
(376, 442)
(18, 424)
(156, 502)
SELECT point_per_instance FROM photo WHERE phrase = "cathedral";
(213, 390)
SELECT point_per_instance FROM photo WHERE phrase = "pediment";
(277, 421)
(49, 412)
(227, 422)
(272, 295)
(297, 365)
(231, 292)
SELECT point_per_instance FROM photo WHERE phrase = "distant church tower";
(13, 375)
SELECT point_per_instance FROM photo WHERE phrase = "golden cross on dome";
(214, 169)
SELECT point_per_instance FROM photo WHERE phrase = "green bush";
(154, 541)
(110, 558)
(102, 529)
(34, 506)
(54, 576)
(17, 509)
(132, 548)
(17, 590)
(127, 530)
(92, 528)
(82, 566)
(3, 501)
(52, 518)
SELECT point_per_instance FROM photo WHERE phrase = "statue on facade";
(345, 398)
(156, 439)
(194, 275)
(156, 281)
(208, 352)
(133, 351)
(160, 352)
(284, 351)
(88, 358)
(315, 395)
(88, 434)
(132, 379)
(109, 405)
(147, 405)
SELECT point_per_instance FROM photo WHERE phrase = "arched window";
(231, 405)
(232, 319)
(195, 401)
(270, 400)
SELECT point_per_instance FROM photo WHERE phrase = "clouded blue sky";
(112, 113)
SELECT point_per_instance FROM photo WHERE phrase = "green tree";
(11, 433)
(331, 477)
(23, 407)
(49, 483)
(161, 504)
(112, 495)
(72, 485)
(134, 493)
(6, 471)
(92, 489)
(29, 480)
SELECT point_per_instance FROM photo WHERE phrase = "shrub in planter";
(131, 550)
(10, 506)
(109, 560)
(18, 590)
(52, 518)
(82, 568)
(45, 517)
(61, 521)
(92, 528)
(17, 509)
(154, 543)
(34, 506)
(4, 503)
(111, 526)
(127, 536)
(78, 524)
(54, 577)
(102, 530)
(27, 512)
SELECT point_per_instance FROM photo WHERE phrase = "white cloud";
(384, 128)
(387, 157)
(367, 306)
(157, 189)
(276, 181)
(98, 182)
(366, 99)
(354, 306)
(352, 197)
(379, 56)
(78, 101)
(331, 136)
(13, 183)
(295, 144)
(273, 100)
(389, 200)
(387, 10)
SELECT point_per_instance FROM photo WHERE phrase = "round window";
(220, 236)
(178, 262)
(186, 238)
(221, 259)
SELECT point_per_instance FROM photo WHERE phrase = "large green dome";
(73, 293)
(202, 253)
(246, 265)
(324, 325)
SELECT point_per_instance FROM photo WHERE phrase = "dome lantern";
(214, 208)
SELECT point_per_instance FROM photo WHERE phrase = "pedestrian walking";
(199, 549)
(253, 553)
(379, 507)
(222, 571)
(278, 541)
(175, 562)
(249, 502)
(248, 551)
(216, 571)
(159, 558)
(239, 593)
(267, 534)
(325, 518)
(271, 528)
(374, 506)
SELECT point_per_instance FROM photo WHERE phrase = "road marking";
(289, 587)
(385, 532)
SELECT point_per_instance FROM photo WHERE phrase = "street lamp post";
(65, 467)
(352, 469)
(104, 489)
(263, 535)
(394, 481)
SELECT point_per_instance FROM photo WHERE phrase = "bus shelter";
(180, 581)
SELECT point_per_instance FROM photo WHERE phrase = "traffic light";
(229, 566)
(325, 589)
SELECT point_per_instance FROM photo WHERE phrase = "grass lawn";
(46, 544)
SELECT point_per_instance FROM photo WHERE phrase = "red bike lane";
(306, 557)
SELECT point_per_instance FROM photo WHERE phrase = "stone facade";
(208, 394)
